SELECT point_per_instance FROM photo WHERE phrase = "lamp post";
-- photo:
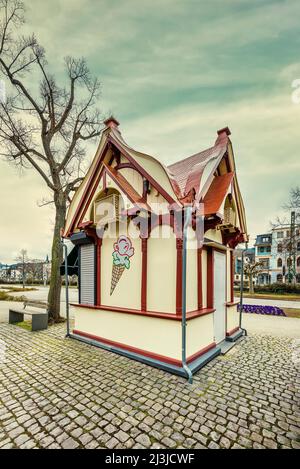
(187, 214)
(65, 248)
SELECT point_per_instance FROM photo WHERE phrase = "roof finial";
(223, 135)
(111, 123)
(225, 130)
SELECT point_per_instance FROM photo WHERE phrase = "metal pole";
(186, 220)
(242, 289)
(67, 287)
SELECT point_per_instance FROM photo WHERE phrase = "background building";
(249, 257)
(285, 254)
(263, 254)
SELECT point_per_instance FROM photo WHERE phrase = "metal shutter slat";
(87, 274)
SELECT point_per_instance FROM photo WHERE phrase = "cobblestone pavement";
(58, 393)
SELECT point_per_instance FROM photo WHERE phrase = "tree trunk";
(251, 287)
(57, 259)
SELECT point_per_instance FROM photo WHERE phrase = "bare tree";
(251, 271)
(23, 261)
(35, 270)
(288, 246)
(43, 125)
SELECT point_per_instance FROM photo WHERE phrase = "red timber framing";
(179, 247)
(231, 276)
(145, 353)
(210, 277)
(229, 333)
(144, 242)
(141, 170)
(152, 314)
(199, 271)
(95, 179)
(98, 285)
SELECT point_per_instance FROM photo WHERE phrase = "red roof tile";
(188, 172)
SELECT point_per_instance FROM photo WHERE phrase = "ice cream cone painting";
(123, 250)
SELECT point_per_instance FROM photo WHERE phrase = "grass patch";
(18, 289)
(292, 312)
(273, 296)
(24, 325)
(4, 296)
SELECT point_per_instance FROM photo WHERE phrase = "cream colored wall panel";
(161, 272)
(232, 318)
(228, 276)
(157, 172)
(192, 272)
(160, 336)
(134, 178)
(200, 333)
(214, 235)
(157, 201)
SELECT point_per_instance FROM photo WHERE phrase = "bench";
(39, 318)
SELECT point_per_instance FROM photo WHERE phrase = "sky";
(173, 72)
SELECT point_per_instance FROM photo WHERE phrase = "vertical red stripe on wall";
(99, 245)
(179, 246)
(231, 276)
(210, 278)
(199, 268)
(144, 274)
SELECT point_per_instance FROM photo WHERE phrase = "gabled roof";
(216, 193)
(188, 172)
(194, 175)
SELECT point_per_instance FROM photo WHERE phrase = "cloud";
(174, 72)
(265, 139)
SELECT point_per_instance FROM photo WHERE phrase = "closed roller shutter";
(87, 274)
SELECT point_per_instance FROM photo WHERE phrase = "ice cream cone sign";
(123, 250)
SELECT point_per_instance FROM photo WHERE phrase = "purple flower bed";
(258, 309)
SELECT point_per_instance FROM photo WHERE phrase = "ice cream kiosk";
(155, 249)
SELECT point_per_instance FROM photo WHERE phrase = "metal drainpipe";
(67, 287)
(242, 290)
(186, 220)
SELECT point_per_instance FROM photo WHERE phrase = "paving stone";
(248, 400)
(213, 445)
(144, 440)
(225, 442)
(69, 444)
(111, 443)
(270, 444)
(122, 436)
(85, 439)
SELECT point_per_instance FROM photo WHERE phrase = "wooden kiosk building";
(126, 219)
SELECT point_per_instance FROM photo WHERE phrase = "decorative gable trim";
(141, 170)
